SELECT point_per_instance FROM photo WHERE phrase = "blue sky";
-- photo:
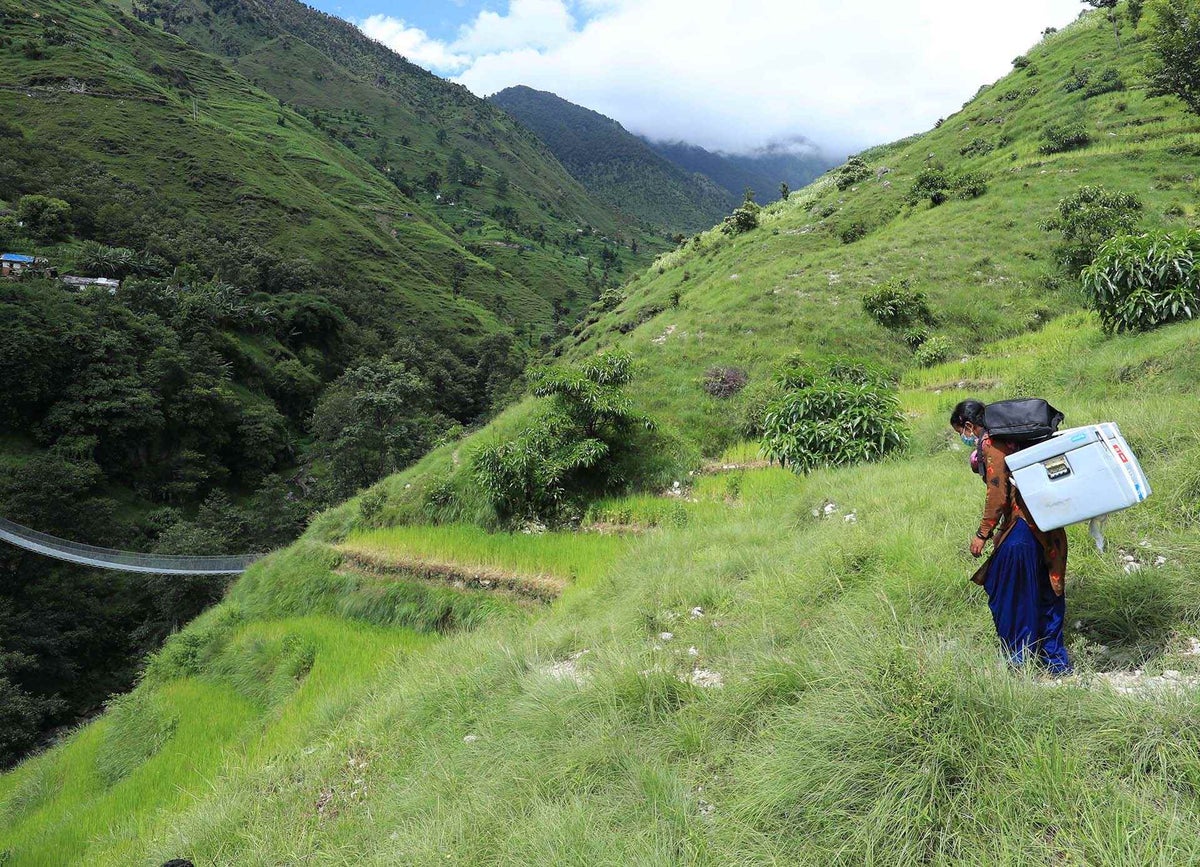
(730, 76)
(441, 19)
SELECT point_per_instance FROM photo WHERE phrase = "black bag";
(1024, 421)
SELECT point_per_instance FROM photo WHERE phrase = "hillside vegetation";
(617, 166)
(331, 259)
(722, 662)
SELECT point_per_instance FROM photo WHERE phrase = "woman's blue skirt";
(1027, 612)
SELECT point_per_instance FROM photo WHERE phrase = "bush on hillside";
(977, 147)
(1174, 67)
(895, 304)
(1140, 282)
(725, 382)
(1063, 136)
(743, 219)
(1109, 81)
(856, 231)
(933, 350)
(938, 186)
(573, 446)
(843, 414)
(1088, 218)
(854, 171)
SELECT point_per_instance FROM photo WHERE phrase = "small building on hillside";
(13, 265)
(99, 282)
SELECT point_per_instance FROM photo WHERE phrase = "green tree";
(502, 184)
(374, 420)
(1110, 7)
(1174, 66)
(1135, 8)
(1087, 219)
(784, 191)
(571, 446)
(44, 218)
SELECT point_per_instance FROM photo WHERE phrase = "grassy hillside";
(348, 209)
(986, 265)
(617, 166)
(754, 667)
(828, 691)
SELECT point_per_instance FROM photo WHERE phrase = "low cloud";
(737, 76)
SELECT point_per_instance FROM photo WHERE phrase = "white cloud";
(538, 24)
(734, 76)
(413, 43)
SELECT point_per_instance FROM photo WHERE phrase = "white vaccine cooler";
(1077, 475)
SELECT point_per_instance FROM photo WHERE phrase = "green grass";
(864, 716)
(274, 688)
(573, 557)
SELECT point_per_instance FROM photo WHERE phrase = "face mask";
(969, 441)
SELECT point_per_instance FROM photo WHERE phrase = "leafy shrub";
(977, 147)
(1077, 80)
(743, 219)
(1140, 282)
(856, 231)
(915, 336)
(1021, 62)
(1087, 219)
(894, 304)
(1067, 135)
(1110, 81)
(934, 350)
(570, 446)
(725, 382)
(938, 185)
(610, 298)
(832, 419)
(854, 171)
(969, 185)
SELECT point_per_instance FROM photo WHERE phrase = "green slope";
(616, 165)
(749, 682)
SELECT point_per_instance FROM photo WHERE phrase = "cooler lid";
(1059, 444)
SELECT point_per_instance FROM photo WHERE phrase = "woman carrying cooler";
(1024, 576)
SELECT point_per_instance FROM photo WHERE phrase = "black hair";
(968, 411)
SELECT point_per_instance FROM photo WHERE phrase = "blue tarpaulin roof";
(16, 257)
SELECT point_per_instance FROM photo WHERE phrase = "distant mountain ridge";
(615, 165)
(796, 163)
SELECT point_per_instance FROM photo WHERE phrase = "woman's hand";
(977, 546)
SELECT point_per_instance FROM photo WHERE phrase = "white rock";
(697, 612)
(1193, 647)
(666, 636)
(1130, 568)
(706, 678)
(470, 739)
(1160, 561)
(851, 518)
(692, 651)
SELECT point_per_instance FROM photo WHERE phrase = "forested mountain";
(763, 170)
(616, 165)
(330, 260)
